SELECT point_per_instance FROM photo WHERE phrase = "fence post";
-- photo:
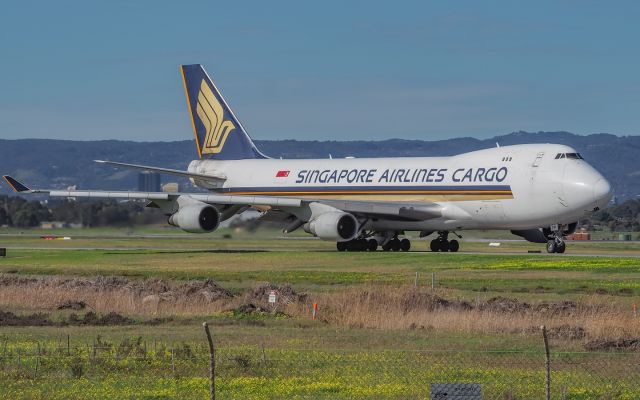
(415, 282)
(212, 363)
(547, 362)
(173, 362)
(433, 281)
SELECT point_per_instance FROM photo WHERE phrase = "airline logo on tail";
(218, 133)
(211, 115)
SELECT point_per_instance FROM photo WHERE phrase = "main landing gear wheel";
(372, 245)
(396, 244)
(358, 245)
(454, 246)
(442, 244)
(405, 244)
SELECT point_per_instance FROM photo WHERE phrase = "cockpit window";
(573, 156)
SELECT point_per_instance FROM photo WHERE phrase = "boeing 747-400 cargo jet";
(537, 191)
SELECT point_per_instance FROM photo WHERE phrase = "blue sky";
(322, 70)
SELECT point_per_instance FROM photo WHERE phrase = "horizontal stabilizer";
(15, 185)
(205, 177)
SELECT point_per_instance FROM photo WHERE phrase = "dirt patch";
(286, 293)
(504, 305)
(72, 305)
(207, 290)
(565, 307)
(249, 308)
(8, 318)
(619, 344)
(91, 318)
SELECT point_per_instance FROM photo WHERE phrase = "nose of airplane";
(584, 187)
(602, 192)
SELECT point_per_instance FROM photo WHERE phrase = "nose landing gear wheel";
(554, 246)
(561, 247)
(341, 246)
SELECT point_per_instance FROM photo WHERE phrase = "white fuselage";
(510, 187)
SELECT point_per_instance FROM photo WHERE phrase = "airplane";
(537, 191)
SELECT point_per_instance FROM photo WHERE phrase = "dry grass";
(408, 308)
(373, 307)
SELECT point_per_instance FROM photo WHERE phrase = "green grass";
(239, 266)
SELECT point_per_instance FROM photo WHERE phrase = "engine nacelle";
(195, 217)
(334, 225)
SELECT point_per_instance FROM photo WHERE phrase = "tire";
(395, 245)
(434, 245)
(444, 245)
(341, 246)
(405, 244)
(551, 246)
(372, 245)
(454, 246)
(561, 247)
(387, 246)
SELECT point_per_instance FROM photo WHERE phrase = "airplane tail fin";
(219, 134)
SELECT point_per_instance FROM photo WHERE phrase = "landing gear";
(405, 244)
(556, 245)
(393, 245)
(556, 242)
(442, 244)
(371, 240)
(361, 244)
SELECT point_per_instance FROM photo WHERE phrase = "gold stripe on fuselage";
(391, 196)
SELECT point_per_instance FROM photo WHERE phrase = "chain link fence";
(181, 371)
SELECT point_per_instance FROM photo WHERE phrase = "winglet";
(15, 185)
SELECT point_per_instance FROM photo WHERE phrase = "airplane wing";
(205, 177)
(367, 209)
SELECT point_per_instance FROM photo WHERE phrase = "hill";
(61, 163)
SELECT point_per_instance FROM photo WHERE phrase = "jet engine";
(334, 225)
(195, 217)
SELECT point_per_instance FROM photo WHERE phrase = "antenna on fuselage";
(330, 157)
(497, 145)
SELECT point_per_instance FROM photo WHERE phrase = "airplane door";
(546, 183)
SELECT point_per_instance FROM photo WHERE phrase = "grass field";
(377, 336)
